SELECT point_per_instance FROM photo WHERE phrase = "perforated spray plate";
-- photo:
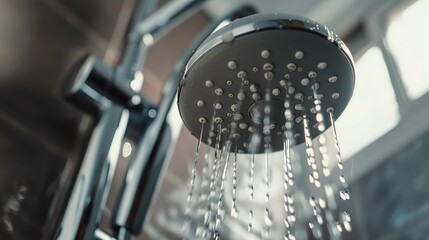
(242, 79)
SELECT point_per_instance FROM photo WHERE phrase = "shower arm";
(123, 218)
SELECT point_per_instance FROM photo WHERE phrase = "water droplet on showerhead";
(335, 95)
(200, 103)
(241, 96)
(299, 96)
(312, 74)
(322, 65)
(265, 54)
(299, 55)
(209, 83)
(218, 120)
(241, 74)
(268, 66)
(255, 69)
(202, 120)
(269, 76)
(291, 66)
(256, 96)
(332, 79)
(252, 129)
(305, 81)
(234, 107)
(232, 65)
(299, 107)
(218, 91)
(237, 116)
(254, 88)
(229, 82)
(218, 106)
(243, 125)
(276, 91)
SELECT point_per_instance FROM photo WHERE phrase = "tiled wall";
(42, 135)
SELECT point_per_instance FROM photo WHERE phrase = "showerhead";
(255, 81)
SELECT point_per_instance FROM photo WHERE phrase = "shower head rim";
(263, 22)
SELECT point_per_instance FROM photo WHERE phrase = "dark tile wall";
(41, 134)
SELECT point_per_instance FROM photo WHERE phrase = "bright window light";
(408, 40)
(373, 110)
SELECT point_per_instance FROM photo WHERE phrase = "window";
(373, 110)
(408, 40)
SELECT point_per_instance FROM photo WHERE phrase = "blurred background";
(48, 144)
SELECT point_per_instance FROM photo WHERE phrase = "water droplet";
(229, 82)
(242, 125)
(265, 54)
(241, 96)
(342, 178)
(322, 203)
(256, 96)
(276, 91)
(234, 212)
(291, 66)
(255, 69)
(332, 79)
(237, 116)
(347, 226)
(322, 65)
(268, 66)
(218, 106)
(339, 228)
(254, 88)
(269, 75)
(218, 91)
(209, 84)
(241, 74)
(299, 55)
(312, 74)
(202, 120)
(344, 194)
(218, 120)
(201, 103)
(299, 107)
(346, 216)
(311, 225)
(319, 219)
(305, 81)
(335, 95)
(299, 96)
(232, 65)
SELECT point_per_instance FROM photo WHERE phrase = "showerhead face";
(253, 83)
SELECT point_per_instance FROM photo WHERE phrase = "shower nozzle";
(258, 80)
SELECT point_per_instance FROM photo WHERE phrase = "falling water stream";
(217, 161)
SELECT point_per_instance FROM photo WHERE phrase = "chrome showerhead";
(253, 83)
